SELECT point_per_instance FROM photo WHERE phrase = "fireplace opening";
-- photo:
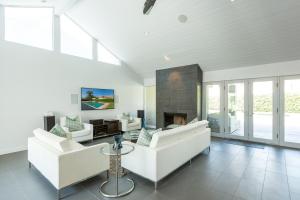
(173, 120)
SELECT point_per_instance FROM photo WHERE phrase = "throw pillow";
(59, 131)
(74, 124)
(145, 137)
(193, 121)
(155, 131)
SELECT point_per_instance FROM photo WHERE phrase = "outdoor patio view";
(292, 110)
(262, 113)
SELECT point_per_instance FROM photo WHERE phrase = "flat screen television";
(97, 99)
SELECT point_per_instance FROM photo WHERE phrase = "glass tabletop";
(108, 150)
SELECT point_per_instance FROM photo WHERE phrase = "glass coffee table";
(109, 151)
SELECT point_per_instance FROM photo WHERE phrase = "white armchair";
(130, 126)
(65, 162)
(78, 136)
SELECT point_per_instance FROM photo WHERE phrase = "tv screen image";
(97, 99)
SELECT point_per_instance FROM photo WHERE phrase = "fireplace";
(174, 119)
(178, 92)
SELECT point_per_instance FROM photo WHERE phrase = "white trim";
(282, 111)
(275, 127)
(2, 23)
(204, 105)
(246, 111)
(95, 50)
(12, 150)
(67, 6)
(56, 34)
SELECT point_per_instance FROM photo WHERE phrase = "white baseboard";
(12, 150)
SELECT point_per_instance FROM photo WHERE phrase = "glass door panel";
(213, 107)
(262, 110)
(292, 111)
(235, 109)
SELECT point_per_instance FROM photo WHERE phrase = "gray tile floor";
(228, 172)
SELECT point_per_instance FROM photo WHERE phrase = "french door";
(236, 109)
(214, 107)
(290, 111)
(263, 110)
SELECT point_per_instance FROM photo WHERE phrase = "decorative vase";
(118, 142)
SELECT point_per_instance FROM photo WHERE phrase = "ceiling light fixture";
(44, 1)
(146, 33)
(148, 6)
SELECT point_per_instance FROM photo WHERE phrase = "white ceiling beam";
(64, 7)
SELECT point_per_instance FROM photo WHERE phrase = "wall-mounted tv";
(97, 99)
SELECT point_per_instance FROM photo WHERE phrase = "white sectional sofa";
(168, 150)
(64, 162)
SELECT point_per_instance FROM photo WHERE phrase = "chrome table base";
(130, 181)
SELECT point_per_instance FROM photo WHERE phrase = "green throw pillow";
(74, 124)
(59, 131)
(145, 137)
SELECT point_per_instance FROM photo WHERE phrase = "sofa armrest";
(124, 124)
(88, 126)
(139, 120)
(141, 161)
(81, 164)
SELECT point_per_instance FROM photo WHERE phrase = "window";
(74, 40)
(105, 56)
(29, 26)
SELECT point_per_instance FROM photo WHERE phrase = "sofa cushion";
(74, 124)
(173, 135)
(59, 143)
(133, 124)
(50, 139)
(59, 131)
(80, 133)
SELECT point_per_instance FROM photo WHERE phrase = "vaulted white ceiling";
(219, 34)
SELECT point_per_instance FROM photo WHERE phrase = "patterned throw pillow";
(59, 131)
(193, 121)
(145, 137)
(74, 124)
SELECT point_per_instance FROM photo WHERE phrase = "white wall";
(34, 81)
(258, 71)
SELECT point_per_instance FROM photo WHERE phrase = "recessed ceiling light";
(44, 1)
(232, 0)
(182, 18)
(167, 58)
(146, 33)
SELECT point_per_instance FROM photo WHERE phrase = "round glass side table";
(108, 150)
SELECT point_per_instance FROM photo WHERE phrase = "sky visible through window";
(74, 40)
(29, 26)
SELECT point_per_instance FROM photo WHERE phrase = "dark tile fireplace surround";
(178, 95)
